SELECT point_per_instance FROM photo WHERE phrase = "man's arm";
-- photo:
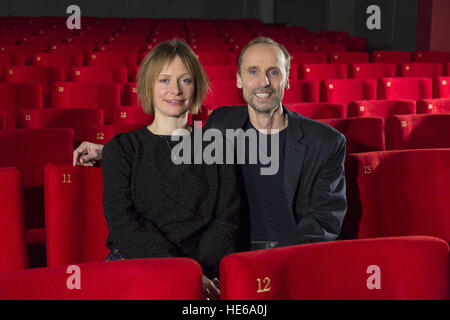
(87, 154)
(328, 203)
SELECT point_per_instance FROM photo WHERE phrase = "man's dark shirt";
(269, 212)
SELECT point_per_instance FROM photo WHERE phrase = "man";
(304, 201)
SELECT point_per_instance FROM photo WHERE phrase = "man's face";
(263, 77)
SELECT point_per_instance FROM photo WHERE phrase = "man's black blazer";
(314, 173)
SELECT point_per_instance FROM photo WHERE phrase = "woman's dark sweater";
(155, 208)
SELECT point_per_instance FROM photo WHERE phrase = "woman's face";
(173, 89)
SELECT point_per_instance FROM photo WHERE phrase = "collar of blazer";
(236, 117)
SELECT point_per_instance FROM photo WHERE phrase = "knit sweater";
(155, 208)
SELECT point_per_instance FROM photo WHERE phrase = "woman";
(153, 207)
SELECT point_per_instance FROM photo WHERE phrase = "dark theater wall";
(398, 24)
(399, 17)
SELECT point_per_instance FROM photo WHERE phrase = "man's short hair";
(155, 61)
(266, 40)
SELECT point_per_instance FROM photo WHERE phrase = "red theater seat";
(398, 193)
(322, 71)
(418, 131)
(302, 91)
(130, 115)
(220, 72)
(10, 59)
(12, 221)
(144, 279)
(208, 46)
(127, 39)
(421, 69)
(3, 118)
(431, 56)
(75, 224)
(363, 269)
(433, 106)
(390, 56)
(130, 94)
(83, 48)
(86, 95)
(346, 90)
(356, 43)
(224, 93)
(99, 74)
(319, 110)
(65, 60)
(217, 58)
(362, 134)
(113, 59)
(43, 75)
(117, 47)
(380, 108)
(76, 119)
(405, 88)
(442, 87)
(103, 134)
(329, 47)
(372, 70)
(308, 57)
(30, 150)
(14, 96)
(348, 57)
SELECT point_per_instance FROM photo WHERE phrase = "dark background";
(399, 17)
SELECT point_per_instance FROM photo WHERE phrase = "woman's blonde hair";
(155, 61)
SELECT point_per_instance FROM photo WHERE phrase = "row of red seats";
(88, 124)
(70, 55)
(78, 235)
(373, 274)
(106, 96)
(225, 93)
(42, 146)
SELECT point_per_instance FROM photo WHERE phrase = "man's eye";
(252, 71)
(274, 72)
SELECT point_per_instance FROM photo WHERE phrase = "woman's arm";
(220, 238)
(133, 235)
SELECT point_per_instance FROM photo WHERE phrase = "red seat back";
(335, 271)
(398, 193)
(418, 131)
(380, 108)
(143, 279)
(346, 90)
(12, 221)
(405, 88)
(319, 110)
(362, 134)
(30, 150)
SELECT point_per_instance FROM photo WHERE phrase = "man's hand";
(210, 288)
(87, 154)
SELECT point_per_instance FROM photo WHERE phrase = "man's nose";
(263, 81)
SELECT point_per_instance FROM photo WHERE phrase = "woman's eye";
(274, 72)
(186, 81)
(164, 80)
